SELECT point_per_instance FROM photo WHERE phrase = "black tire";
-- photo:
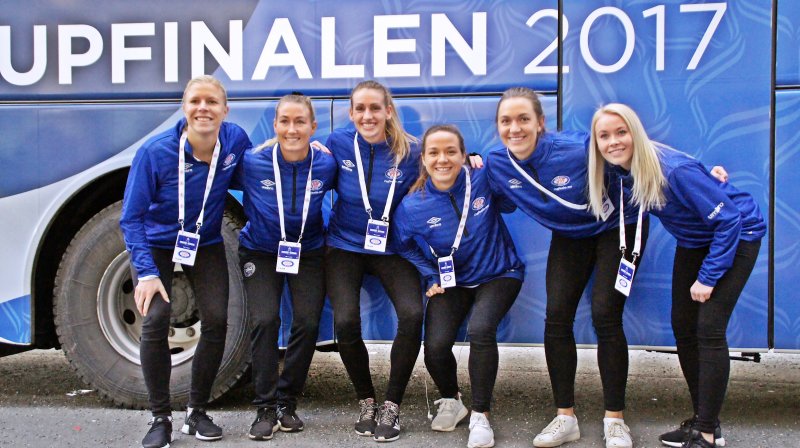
(98, 325)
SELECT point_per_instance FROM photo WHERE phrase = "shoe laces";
(157, 421)
(388, 413)
(479, 419)
(287, 410)
(198, 415)
(617, 430)
(368, 410)
(556, 426)
(263, 414)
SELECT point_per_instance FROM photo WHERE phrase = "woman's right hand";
(145, 291)
(435, 289)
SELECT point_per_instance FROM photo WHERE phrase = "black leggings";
(700, 328)
(344, 272)
(489, 303)
(209, 280)
(570, 264)
(263, 288)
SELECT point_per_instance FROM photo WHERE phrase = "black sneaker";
(678, 436)
(160, 433)
(366, 423)
(696, 440)
(288, 419)
(200, 425)
(388, 429)
(265, 424)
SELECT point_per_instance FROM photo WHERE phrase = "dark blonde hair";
(399, 140)
(423, 172)
(206, 79)
(297, 98)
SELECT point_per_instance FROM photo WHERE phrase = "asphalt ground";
(762, 408)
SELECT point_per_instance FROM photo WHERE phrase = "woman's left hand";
(317, 145)
(719, 173)
(476, 161)
(700, 292)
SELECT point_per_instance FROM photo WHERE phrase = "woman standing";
(375, 161)
(718, 230)
(473, 267)
(270, 254)
(172, 212)
(544, 174)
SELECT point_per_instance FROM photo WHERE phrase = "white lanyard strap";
(544, 190)
(464, 212)
(637, 245)
(363, 184)
(279, 193)
(212, 170)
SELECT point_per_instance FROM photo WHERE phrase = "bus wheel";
(99, 327)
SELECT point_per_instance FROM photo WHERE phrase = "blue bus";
(84, 83)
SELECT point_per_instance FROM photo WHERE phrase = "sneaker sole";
(269, 437)
(487, 445)
(186, 429)
(383, 439)
(363, 434)
(719, 442)
(289, 428)
(571, 438)
(459, 417)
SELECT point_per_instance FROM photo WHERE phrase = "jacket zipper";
(294, 187)
(369, 171)
(536, 178)
(458, 212)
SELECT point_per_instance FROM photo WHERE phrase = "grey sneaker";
(265, 424)
(288, 419)
(450, 412)
(563, 429)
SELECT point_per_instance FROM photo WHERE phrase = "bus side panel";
(788, 46)
(787, 220)
(716, 110)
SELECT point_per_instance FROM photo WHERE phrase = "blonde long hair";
(297, 98)
(648, 180)
(397, 137)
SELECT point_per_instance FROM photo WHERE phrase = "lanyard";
(279, 193)
(182, 181)
(464, 212)
(544, 190)
(363, 184)
(637, 245)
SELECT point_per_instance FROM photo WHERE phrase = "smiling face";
(443, 158)
(205, 108)
(369, 112)
(519, 126)
(294, 127)
(614, 140)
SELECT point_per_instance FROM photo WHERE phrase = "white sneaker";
(617, 433)
(450, 412)
(480, 432)
(563, 429)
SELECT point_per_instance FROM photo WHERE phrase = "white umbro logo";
(514, 182)
(268, 184)
(434, 220)
(187, 166)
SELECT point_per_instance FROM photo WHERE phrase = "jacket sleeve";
(408, 248)
(139, 193)
(697, 190)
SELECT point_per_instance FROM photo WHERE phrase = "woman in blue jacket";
(718, 230)
(468, 263)
(172, 212)
(283, 242)
(544, 175)
(376, 162)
